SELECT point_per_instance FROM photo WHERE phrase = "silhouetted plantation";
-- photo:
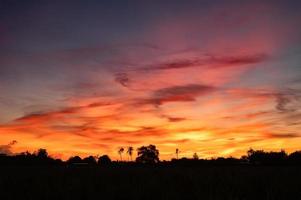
(257, 175)
(149, 155)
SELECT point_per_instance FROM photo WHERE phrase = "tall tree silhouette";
(177, 153)
(42, 153)
(130, 152)
(120, 152)
(195, 156)
(148, 154)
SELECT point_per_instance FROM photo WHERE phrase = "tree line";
(150, 155)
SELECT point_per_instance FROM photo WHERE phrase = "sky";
(212, 77)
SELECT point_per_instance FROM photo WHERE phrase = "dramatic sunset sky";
(212, 77)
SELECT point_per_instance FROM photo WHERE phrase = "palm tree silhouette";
(130, 152)
(177, 153)
(120, 152)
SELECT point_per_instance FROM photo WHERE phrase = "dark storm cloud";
(174, 65)
(50, 115)
(6, 149)
(283, 135)
(181, 93)
(239, 60)
(176, 119)
(282, 102)
(122, 79)
(172, 119)
(211, 61)
(288, 101)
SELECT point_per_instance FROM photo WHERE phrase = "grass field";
(204, 182)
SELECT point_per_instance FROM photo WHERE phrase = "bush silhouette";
(295, 157)
(104, 160)
(262, 157)
(74, 160)
(89, 160)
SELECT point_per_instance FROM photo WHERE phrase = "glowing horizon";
(213, 78)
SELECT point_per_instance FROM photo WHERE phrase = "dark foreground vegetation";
(159, 182)
(257, 175)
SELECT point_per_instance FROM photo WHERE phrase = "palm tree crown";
(120, 152)
(130, 151)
